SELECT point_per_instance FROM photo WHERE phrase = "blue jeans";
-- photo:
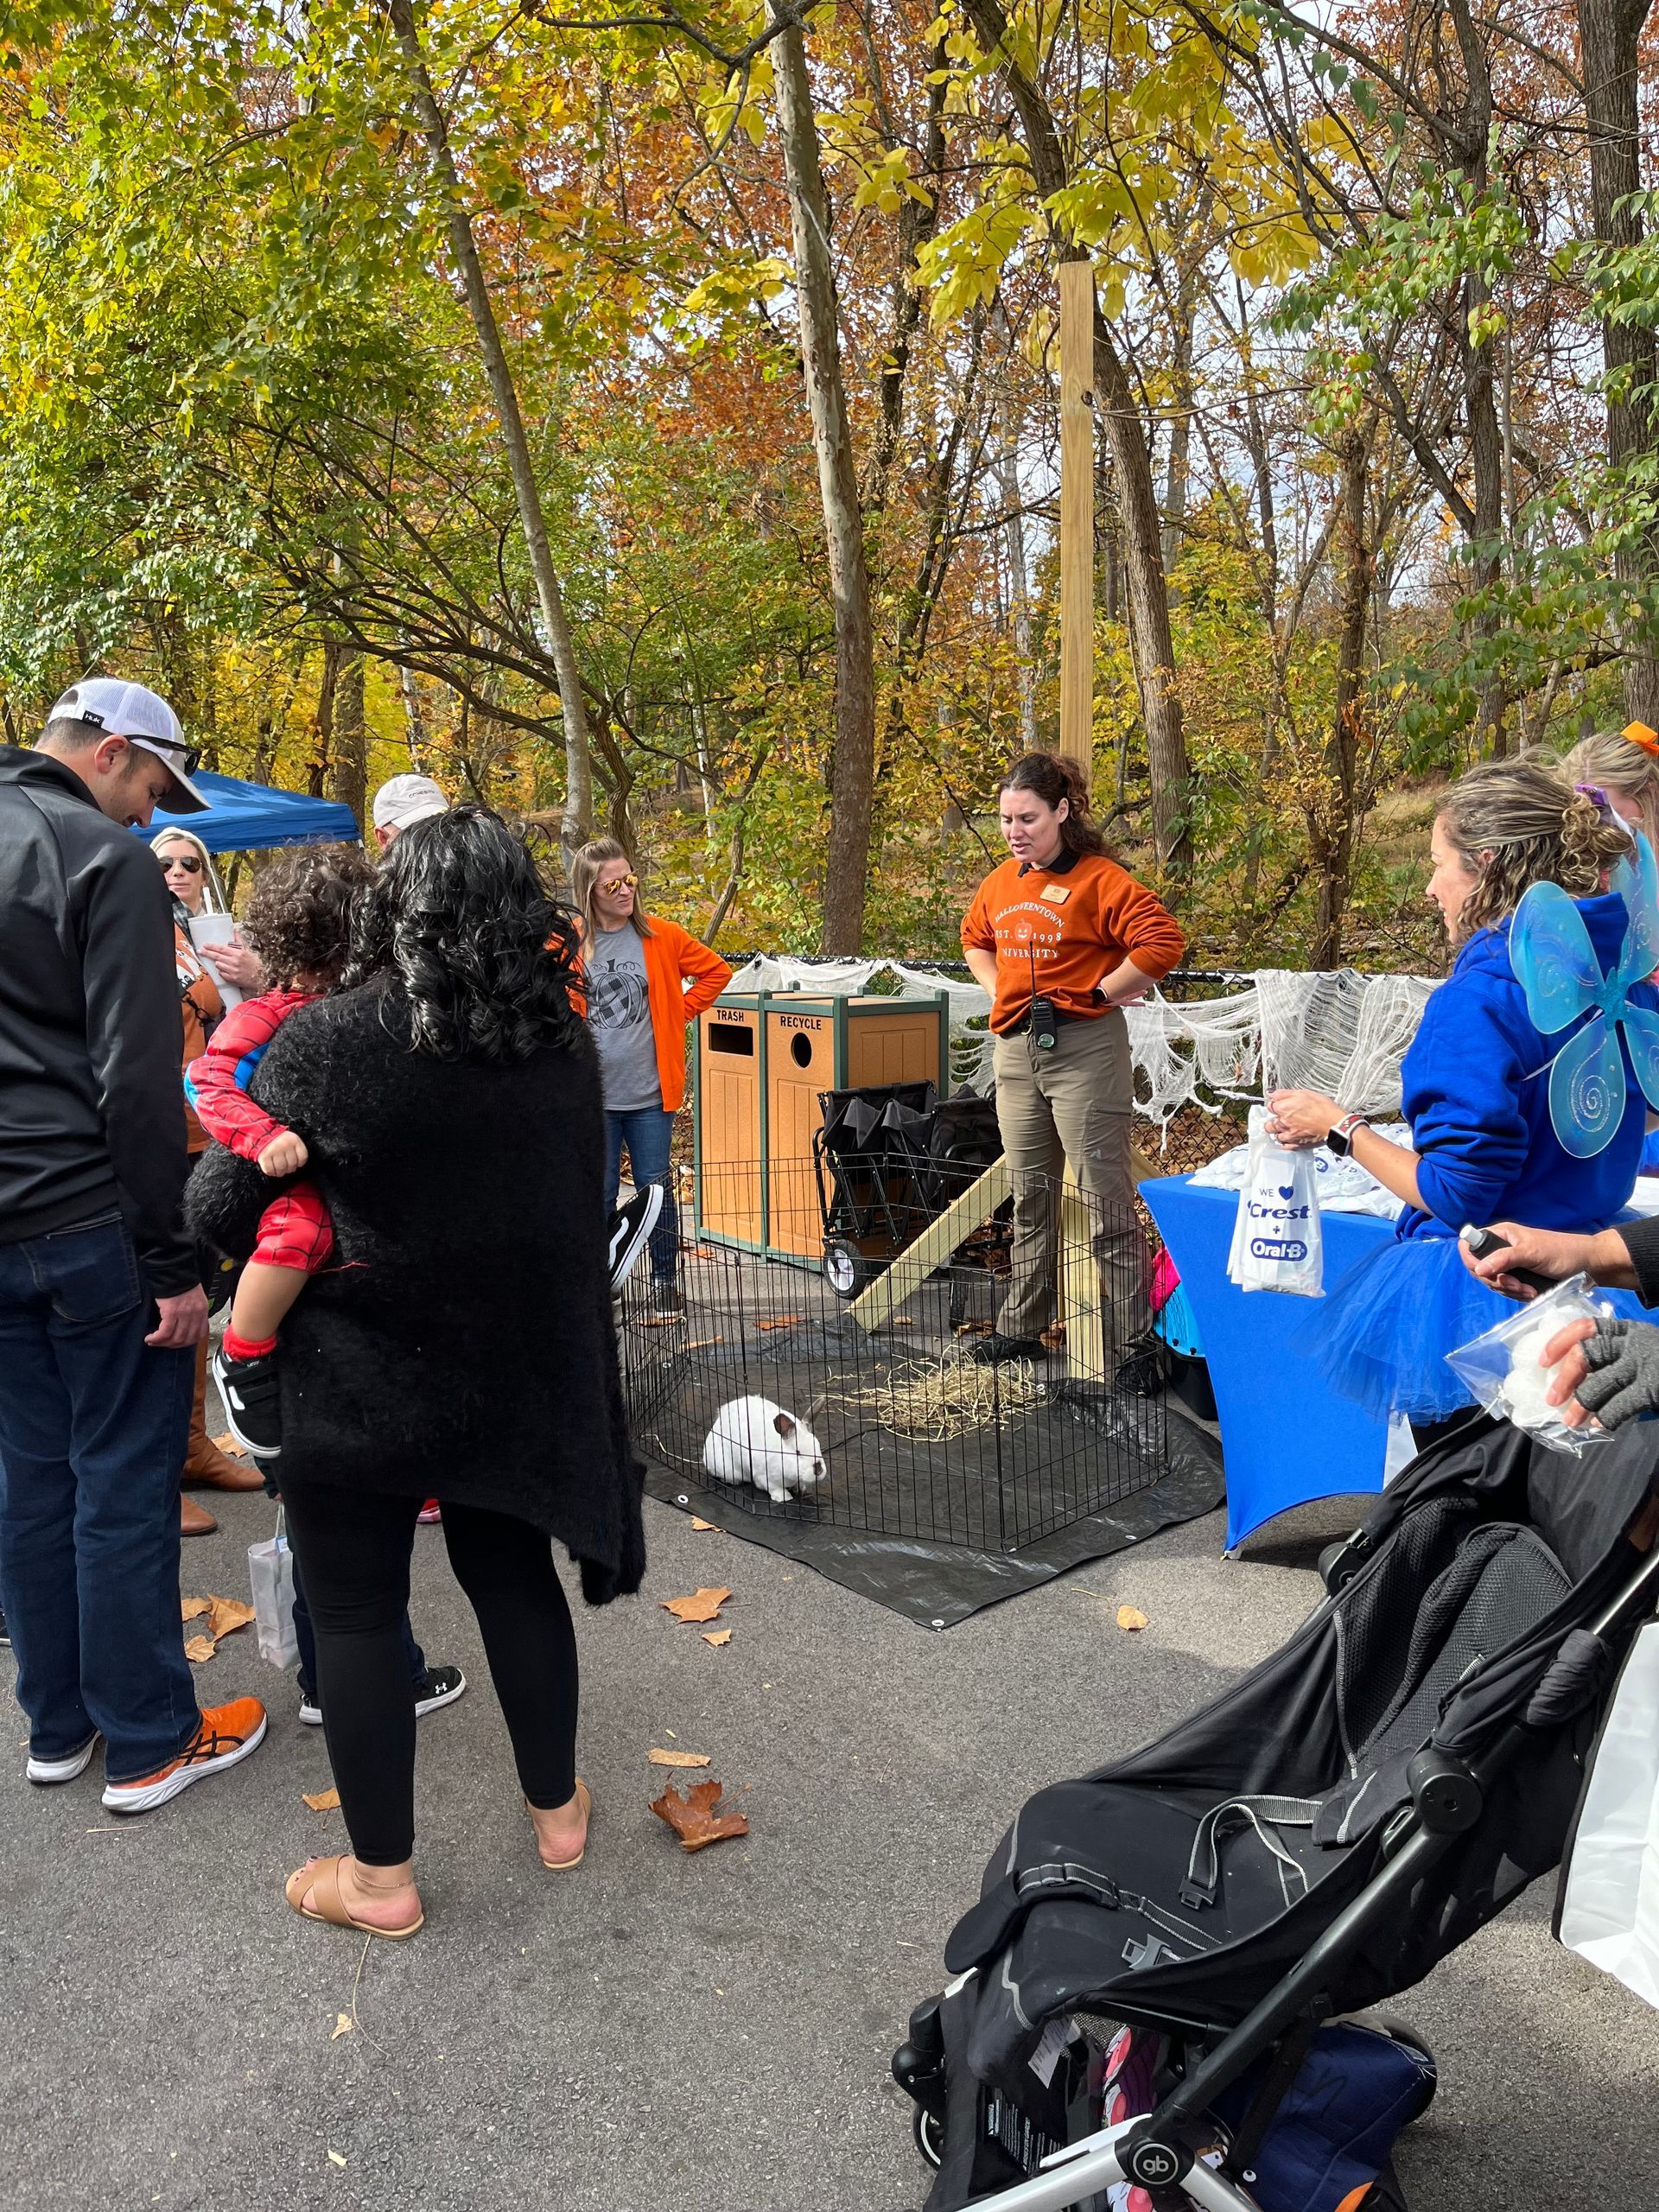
(93, 1426)
(648, 1135)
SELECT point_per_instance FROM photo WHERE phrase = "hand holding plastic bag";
(1277, 1243)
(1505, 1368)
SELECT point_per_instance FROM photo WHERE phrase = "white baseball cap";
(406, 799)
(142, 717)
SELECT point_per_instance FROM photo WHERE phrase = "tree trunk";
(414, 718)
(1333, 825)
(852, 764)
(348, 774)
(577, 825)
(1150, 636)
(1609, 36)
(322, 722)
(1150, 640)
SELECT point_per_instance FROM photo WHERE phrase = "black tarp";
(937, 1584)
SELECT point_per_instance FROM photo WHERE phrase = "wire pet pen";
(780, 1398)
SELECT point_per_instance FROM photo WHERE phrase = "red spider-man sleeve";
(218, 1080)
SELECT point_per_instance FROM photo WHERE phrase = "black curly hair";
(460, 916)
(299, 915)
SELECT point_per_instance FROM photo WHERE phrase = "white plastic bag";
(1503, 1370)
(271, 1572)
(1277, 1244)
(1608, 1910)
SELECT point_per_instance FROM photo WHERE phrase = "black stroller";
(1307, 1846)
(889, 1158)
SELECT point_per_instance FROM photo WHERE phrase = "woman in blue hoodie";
(1475, 1090)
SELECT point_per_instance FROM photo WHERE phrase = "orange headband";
(1639, 733)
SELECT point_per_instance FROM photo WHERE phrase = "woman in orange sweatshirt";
(635, 971)
(1064, 939)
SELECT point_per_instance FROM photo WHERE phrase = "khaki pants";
(1073, 1104)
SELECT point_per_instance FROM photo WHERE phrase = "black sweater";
(92, 1103)
(459, 1344)
(1642, 1242)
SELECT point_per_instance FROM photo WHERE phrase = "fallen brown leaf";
(973, 1328)
(190, 1607)
(659, 1320)
(717, 1636)
(704, 1528)
(1131, 1617)
(226, 1615)
(343, 2026)
(701, 1605)
(693, 1817)
(199, 1647)
(704, 1344)
(228, 1445)
(782, 1321)
(1055, 1337)
(325, 1801)
(677, 1758)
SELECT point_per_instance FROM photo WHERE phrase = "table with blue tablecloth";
(1285, 1437)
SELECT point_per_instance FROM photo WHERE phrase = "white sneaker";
(46, 1772)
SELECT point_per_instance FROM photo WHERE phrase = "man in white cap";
(100, 1303)
(402, 801)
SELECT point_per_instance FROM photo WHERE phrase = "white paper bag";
(1609, 1911)
(1277, 1244)
(271, 1573)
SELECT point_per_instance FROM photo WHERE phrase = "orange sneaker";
(225, 1735)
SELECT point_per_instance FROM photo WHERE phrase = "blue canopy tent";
(252, 817)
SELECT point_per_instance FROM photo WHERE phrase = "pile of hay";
(934, 1399)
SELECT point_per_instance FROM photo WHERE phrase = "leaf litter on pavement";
(224, 1615)
(701, 1605)
(695, 1818)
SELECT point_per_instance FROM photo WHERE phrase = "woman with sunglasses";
(184, 863)
(645, 979)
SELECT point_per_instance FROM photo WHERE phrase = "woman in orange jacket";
(1064, 939)
(645, 979)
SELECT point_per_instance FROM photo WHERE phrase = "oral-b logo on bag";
(1281, 1246)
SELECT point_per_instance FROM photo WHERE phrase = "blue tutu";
(1382, 1333)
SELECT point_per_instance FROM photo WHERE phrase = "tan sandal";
(564, 1865)
(321, 1878)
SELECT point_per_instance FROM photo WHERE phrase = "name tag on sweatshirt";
(1057, 893)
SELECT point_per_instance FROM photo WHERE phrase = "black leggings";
(353, 1548)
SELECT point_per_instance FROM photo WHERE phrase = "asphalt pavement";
(664, 2030)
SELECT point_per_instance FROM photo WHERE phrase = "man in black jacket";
(100, 1304)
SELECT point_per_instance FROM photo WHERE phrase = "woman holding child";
(460, 1343)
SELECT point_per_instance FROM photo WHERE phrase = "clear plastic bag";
(1504, 1370)
(1277, 1240)
(271, 1573)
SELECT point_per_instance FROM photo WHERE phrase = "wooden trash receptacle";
(729, 1120)
(763, 1060)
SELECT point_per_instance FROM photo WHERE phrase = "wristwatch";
(1342, 1136)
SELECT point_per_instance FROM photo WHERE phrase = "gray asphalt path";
(658, 2030)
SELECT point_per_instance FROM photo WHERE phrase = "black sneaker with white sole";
(254, 1401)
(439, 1685)
(630, 1227)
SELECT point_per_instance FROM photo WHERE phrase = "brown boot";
(194, 1519)
(205, 1467)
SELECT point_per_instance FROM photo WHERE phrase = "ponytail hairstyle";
(1624, 762)
(1052, 778)
(1518, 822)
(458, 917)
(585, 864)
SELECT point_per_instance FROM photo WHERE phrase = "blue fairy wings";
(1556, 964)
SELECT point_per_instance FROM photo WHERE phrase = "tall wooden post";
(1077, 512)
